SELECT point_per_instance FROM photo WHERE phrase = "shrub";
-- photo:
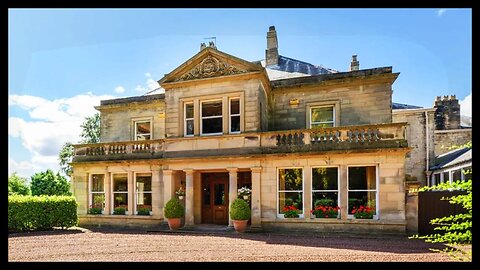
(33, 213)
(174, 209)
(95, 211)
(144, 211)
(240, 210)
(119, 211)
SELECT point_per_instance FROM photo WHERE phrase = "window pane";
(235, 124)
(323, 114)
(219, 198)
(144, 200)
(190, 127)
(324, 199)
(212, 125)
(446, 177)
(323, 125)
(211, 108)
(290, 198)
(234, 106)
(325, 178)
(457, 174)
(436, 179)
(189, 110)
(206, 194)
(120, 199)
(361, 198)
(98, 200)
(144, 182)
(143, 127)
(97, 182)
(468, 173)
(120, 182)
(361, 178)
(290, 179)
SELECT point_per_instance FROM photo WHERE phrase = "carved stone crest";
(210, 67)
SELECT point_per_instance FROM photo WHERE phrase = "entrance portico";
(209, 192)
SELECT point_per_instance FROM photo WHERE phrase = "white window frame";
(209, 117)
(90, 192)
(320, 190)
(142, 120)
(185, 119)
(112, 200)
(377, 209)
(230, 115)
(450, 173)
(302, 215)
(323, 106)
(144, 192)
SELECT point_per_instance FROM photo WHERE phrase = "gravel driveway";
(113, 245)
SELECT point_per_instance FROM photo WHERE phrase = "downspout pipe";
(427, 138)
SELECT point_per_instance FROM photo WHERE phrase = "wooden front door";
(215, 198)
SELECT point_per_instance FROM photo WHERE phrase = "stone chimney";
(271, 53)
(447, 112)
(354, 65)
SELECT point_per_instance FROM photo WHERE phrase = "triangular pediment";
(210, 63)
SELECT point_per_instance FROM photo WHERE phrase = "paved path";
(114, 245)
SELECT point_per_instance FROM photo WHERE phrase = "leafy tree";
(453, 229)
(17, 185)
(90, 134)
(48, 183)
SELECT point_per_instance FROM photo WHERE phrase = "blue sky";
(63, 61)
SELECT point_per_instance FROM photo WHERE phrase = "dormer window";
(142, 129)
(212, 118)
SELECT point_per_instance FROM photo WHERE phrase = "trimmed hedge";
(37, 213)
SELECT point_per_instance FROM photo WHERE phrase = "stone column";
(256, 205)
(156, 192)
(343, 189)
(307, 198)
(108, 193)
(131, 193)
(232, 190)
(189, 218)
(80, 182)
(167, 186)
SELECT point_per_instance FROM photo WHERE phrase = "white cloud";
(119, 89)
(22, 168)
(466, 106)
(441, 11)
(53, 123)
(151, 84)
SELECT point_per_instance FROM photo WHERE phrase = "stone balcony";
(345, 138)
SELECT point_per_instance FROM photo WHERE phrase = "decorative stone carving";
(210, 67)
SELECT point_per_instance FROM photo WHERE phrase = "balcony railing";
(300, 140)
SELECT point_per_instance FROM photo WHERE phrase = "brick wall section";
(447, 138)
(415, 162)
(361, 104)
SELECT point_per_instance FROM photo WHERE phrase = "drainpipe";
(427, 147)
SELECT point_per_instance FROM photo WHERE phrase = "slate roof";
(452, 158)
(291, 68)
(400, 106)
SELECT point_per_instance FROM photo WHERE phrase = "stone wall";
(415, 161)
(358, 105)
(117, 120)
(447, 138)
(248, 90)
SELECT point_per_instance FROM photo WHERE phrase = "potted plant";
(174, 211)
(240, 214)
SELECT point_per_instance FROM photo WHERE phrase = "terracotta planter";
(174, 223)
(240, 225)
